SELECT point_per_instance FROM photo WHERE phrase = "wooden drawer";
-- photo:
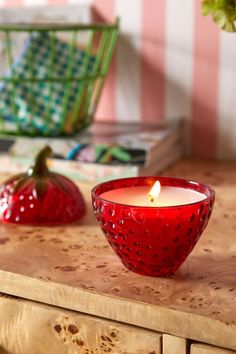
(33, 328)
(207, 349)
(174, 345)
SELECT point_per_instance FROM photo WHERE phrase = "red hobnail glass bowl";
(152, 241)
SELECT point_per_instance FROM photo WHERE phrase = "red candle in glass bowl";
(152, 235)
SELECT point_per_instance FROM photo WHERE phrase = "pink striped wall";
(57, 2)
(141, 71)
(153, 60)
(205, 86)
(105, 10)
(13, 2)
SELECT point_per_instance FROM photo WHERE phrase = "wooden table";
(79, 298)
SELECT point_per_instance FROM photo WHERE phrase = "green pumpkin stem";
(40, 166)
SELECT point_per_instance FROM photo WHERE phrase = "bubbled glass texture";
(152, 241)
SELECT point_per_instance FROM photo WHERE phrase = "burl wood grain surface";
(32, 328)
(75, 268)
(174, 345)
(206, 349)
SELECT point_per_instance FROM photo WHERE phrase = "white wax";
(169, 196)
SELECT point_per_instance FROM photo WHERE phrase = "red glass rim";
(208, 191)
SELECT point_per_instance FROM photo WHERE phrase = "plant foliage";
(223, 13)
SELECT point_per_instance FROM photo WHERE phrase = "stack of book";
(104, 151)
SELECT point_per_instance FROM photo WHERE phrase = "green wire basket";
(52, 76)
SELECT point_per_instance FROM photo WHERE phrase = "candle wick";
(151, 198)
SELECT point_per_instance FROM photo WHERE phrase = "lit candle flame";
(154, 192)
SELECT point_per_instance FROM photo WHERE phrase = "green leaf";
(230, 27)
(220, 19)
(223, 13)
(207, 7)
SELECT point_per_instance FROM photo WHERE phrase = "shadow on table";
(215, 270)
